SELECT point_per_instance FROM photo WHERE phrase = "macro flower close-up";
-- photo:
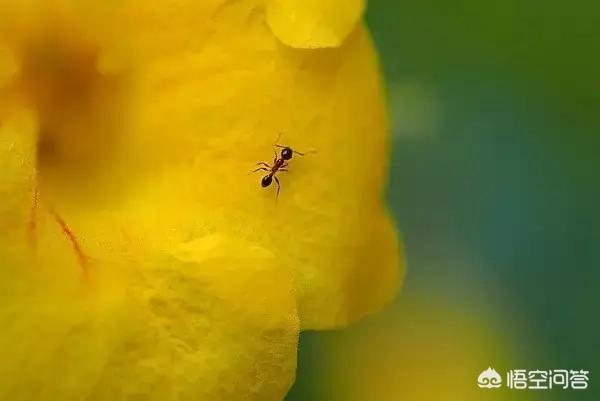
(155, 243)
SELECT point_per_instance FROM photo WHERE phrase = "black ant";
(279, 164)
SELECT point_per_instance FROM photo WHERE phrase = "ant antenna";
(305, 153)
(293, 150)
(278, 138)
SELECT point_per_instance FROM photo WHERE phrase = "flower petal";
(8, 65)
(204, 120)
(202, 109)
(376, 274)
(17, 161)
(311, 24)
(212, 320)
(330, 202)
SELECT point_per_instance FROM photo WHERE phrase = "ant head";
(287, 153)
(266, 181)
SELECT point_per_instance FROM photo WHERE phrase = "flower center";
(78, 108)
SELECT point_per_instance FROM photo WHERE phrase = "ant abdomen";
(266, 181)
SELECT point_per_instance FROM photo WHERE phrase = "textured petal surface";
(127, 134)
(209, 320)
(330, 204)
(311, 24)
(182, 120)
(17, 145)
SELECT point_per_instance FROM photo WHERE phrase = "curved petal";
(310, 24)
(17, 163)
(210, 320)
(8, 65)
(376, 274)
(158, 147)
(330, 201)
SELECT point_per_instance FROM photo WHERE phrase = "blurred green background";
(495, 109)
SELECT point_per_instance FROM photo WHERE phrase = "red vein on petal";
(32, 224)
(81, 257)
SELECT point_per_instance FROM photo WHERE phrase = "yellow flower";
(138, 258)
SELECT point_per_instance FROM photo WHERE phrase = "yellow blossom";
(138, 258)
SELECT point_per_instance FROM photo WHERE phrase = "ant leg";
(263, 164)
(278, 145)
(260, 168)
(275, 158)
(278, 186)
(283, 169)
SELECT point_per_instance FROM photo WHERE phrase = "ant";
(280, 162)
